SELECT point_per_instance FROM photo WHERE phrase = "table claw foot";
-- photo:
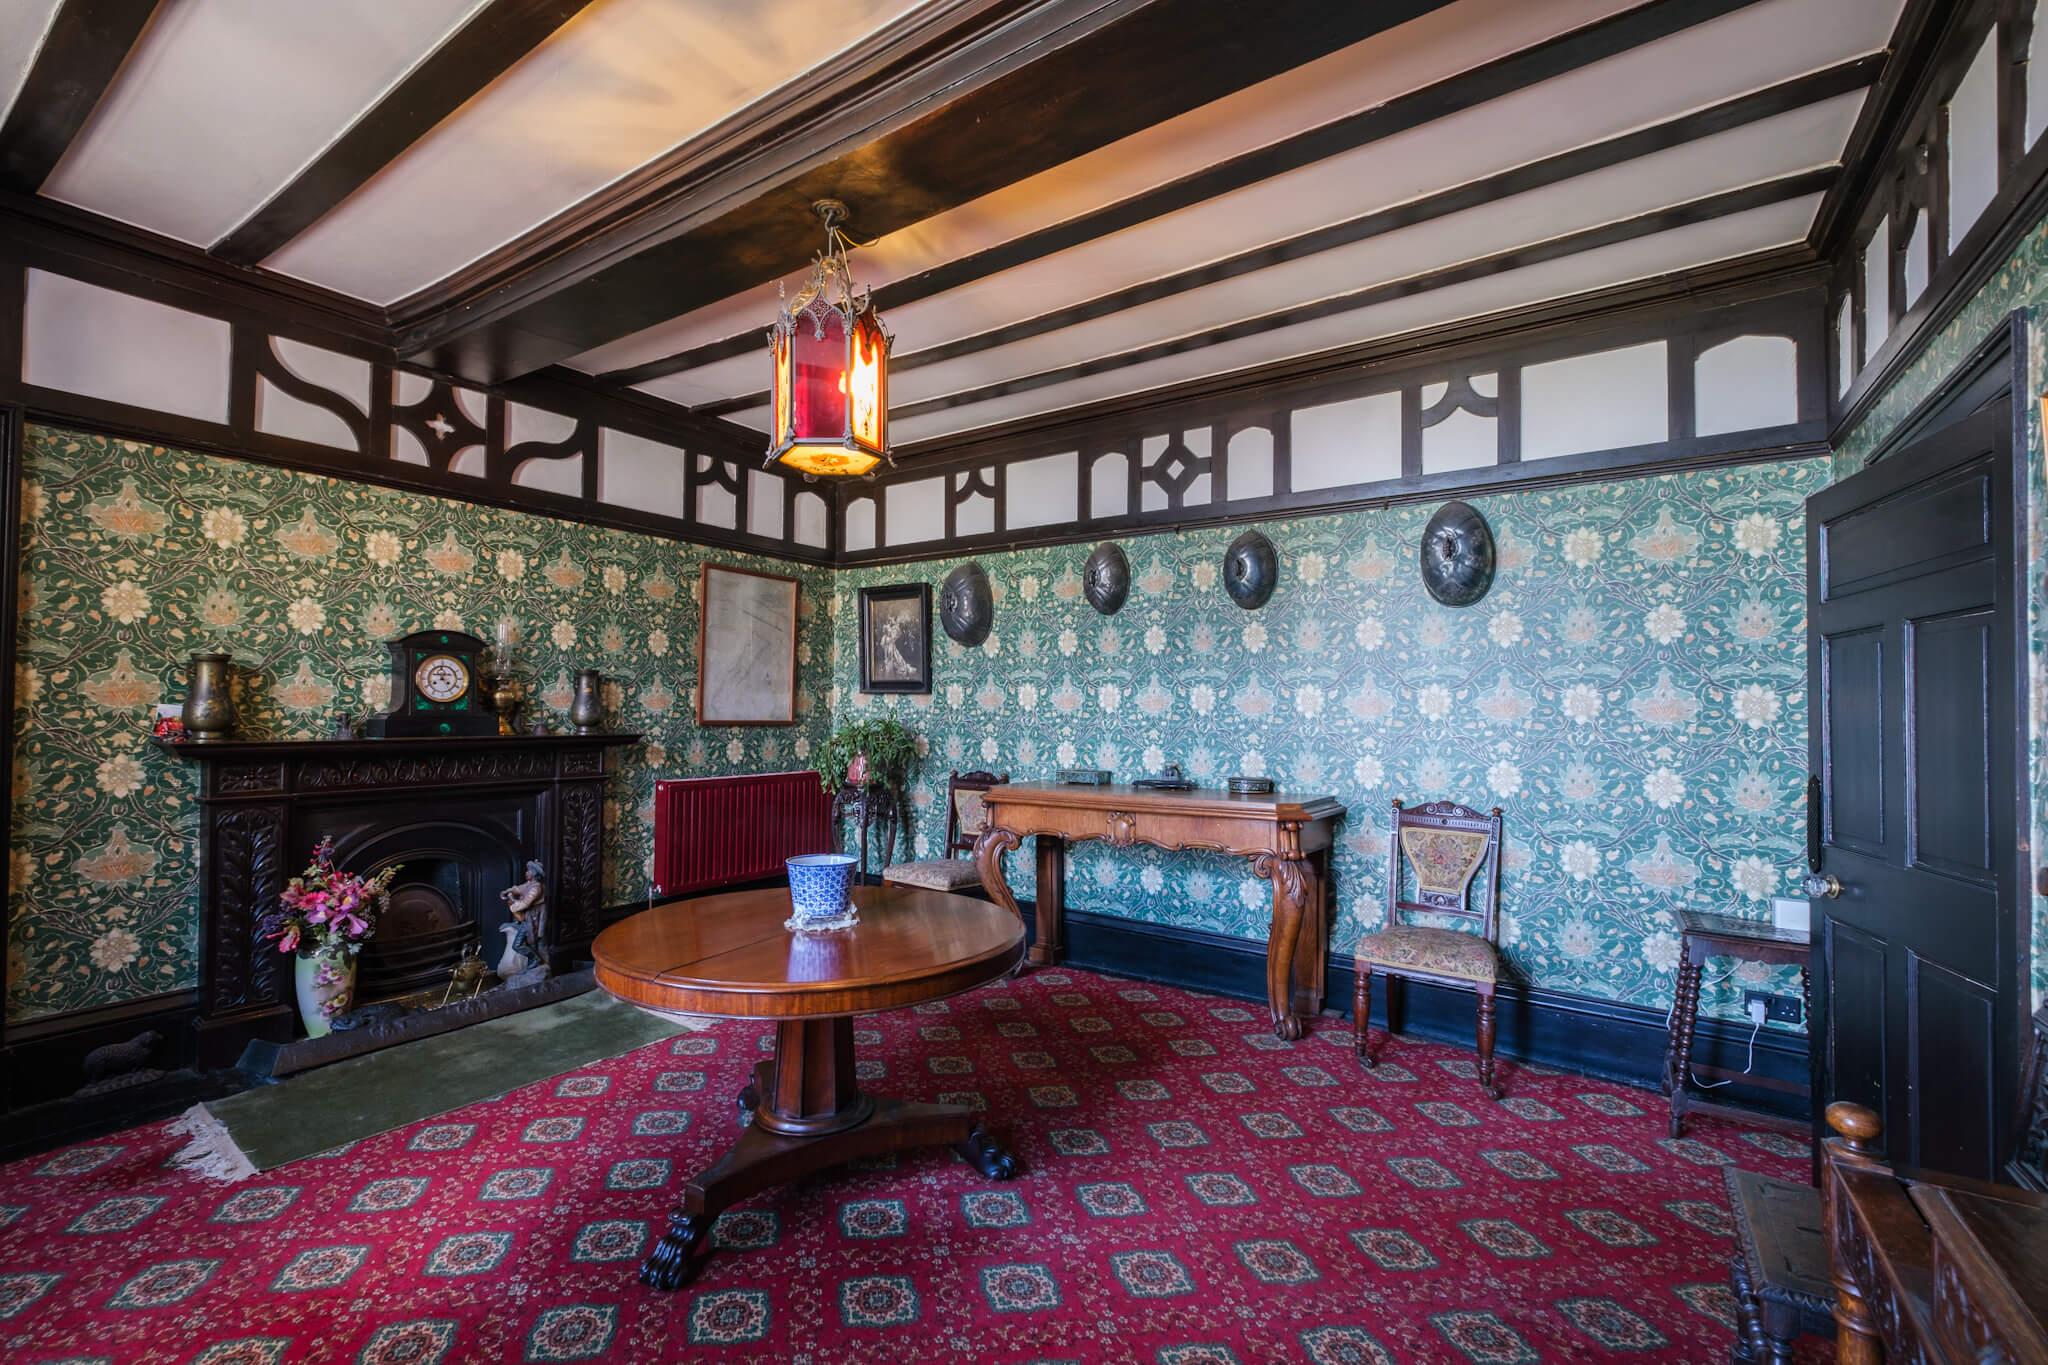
(679, 1255)
(981, 1151)
(1290, 1027)
(749, 1099)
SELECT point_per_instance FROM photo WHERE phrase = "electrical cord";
(1757, 1014)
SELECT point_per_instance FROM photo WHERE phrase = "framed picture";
(896, 638)
(746, 648)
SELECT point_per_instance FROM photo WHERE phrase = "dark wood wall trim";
(81, 53)
(1579, 1034)
(1504, 76)
(485, 47)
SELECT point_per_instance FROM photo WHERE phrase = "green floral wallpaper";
(136, 556)
(1632, 692)
(2022, 282)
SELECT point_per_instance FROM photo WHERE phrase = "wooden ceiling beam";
(1504, 76)
(1769, 102)
(1909, 61)
(82, 52)
(496, 37)
(969, 111)
(1557, 248)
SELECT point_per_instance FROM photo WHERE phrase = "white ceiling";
(224, 102)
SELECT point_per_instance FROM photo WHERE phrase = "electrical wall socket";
(1791, 913)
(1783, 1009)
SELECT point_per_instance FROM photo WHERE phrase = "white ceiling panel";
(1793, 142)
(224, 101)
(22, 26)
(1752, 48)
(1403, 59)
(1681, 249)
(618, 86)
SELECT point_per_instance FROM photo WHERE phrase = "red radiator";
(716, 831)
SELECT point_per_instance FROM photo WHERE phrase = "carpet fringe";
(210, 1151)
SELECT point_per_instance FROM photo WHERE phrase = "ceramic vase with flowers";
(327, 915)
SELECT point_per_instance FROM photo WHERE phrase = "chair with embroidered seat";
(1446, 847)
(965, 819)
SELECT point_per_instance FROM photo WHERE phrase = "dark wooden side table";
(1704, 936)
(804, 1109)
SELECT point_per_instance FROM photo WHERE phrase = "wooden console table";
(1286, 837)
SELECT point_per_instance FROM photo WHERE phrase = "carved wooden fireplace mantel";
(265, 803)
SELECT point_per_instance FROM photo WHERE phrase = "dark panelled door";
(1915, 730)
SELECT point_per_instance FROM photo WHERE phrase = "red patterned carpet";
(1195, 1192)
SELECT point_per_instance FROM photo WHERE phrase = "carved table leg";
(989, 851)
(1290, 878)
(1312, 941)
(807, 1112)
(1684, 1013)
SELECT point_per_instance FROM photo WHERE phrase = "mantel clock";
(436, 688)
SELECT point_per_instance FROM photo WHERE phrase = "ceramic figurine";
(526, 935)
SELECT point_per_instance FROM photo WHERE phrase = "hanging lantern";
(831, 352)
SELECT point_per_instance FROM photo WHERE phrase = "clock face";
(441, 677)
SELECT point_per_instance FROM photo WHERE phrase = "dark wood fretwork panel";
(255, 797)
(1235, 455)
(1903, 185)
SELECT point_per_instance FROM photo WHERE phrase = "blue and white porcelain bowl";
(819, 884)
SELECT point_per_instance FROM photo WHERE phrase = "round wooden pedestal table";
(732, 956)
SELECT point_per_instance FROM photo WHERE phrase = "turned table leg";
(1684, 1013)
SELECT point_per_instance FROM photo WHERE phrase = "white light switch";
(1789, 912)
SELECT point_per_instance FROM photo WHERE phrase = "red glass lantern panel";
(830, 396)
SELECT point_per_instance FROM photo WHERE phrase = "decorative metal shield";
(1106, 579)
(1457, 555)
(1251, 570)
(966, 607)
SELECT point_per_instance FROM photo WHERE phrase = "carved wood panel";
(244, 876)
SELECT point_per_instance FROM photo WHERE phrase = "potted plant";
(866, 767)
(867, 754)
(328, 914)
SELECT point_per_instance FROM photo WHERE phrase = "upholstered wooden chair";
(1453, 854)
(965, 820)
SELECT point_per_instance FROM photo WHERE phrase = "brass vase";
(587, 709)
(209, 712)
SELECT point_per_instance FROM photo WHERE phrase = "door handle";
(1814, 813)
(1818, 886)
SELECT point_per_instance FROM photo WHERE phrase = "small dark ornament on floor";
(1251, 570)
(1106, 579)
(1457, 555)
(120, 1065)
(966, 606)
(381, 1014)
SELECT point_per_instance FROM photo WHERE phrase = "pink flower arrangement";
(328, 910)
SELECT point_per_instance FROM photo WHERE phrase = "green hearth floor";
(316, 1111)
